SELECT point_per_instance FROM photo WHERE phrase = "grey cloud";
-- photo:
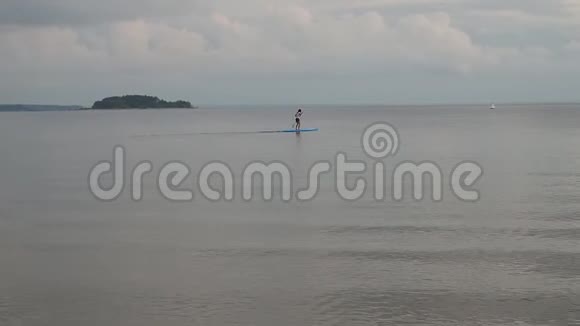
(84, 12)
(302, 44)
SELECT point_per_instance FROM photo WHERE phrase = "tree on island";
(139, 102)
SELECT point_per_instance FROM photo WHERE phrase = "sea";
(509, 257)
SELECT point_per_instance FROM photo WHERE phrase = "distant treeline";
(36, 108)
(139, 102)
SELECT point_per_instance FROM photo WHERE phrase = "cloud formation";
(44, 41)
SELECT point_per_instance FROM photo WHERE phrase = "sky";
(291, 51)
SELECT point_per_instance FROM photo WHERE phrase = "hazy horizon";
(318, 105)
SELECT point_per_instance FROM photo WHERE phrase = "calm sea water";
(512, 258)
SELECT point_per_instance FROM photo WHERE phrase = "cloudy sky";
(290, 51)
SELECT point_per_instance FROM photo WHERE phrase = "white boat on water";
(492, 106)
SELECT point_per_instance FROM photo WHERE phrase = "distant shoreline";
(75, 108)
(37, 108)
(125, 102)
(134, 109)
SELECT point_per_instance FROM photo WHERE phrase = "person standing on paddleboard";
(297, 117)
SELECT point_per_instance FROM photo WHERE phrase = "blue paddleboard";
(289, 130)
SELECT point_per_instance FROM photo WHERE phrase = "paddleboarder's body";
(298, 117)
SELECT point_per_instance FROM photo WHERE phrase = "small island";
(139, 102)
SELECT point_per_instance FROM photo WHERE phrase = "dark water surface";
(512, 258)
